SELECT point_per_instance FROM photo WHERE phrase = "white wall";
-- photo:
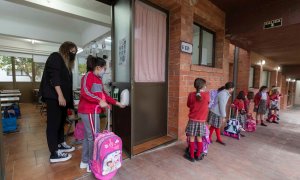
(297, 95)
(92, 32)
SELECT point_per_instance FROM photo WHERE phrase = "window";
(266, 78)
(39, 69)
(23, 69)
(251, 77)
(6, 69)
(203, 46)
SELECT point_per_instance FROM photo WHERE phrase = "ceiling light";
(278, 68)
(107, 40)
(33, 41)
(263, 62)
(294, 80)
(288, 80)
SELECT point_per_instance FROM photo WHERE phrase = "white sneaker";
(59, 157)
(83, 165)
(63, 147)
(88, 169)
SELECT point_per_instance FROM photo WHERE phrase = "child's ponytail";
(90, 63)
(199, 84)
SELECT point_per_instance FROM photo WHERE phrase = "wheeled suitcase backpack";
(233, 127)
(205, 143)
(107, 156)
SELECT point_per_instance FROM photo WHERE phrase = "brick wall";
(243, 70)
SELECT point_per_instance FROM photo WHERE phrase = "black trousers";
(56, 118)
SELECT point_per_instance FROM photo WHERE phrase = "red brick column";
(257, 76)
(244, 65)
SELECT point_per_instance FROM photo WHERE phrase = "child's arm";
(189, 101)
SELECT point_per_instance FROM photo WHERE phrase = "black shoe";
(59, 156)
(189, 158)
(242, 135)
(263, 124)
(224, 144)
(63, 147)
(200, 157)
(275, 122)
(268, 121)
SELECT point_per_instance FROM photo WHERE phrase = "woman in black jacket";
(56, 90)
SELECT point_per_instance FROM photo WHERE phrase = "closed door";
(150, 72)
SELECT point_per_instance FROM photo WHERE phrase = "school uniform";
(242, 116)
(218, 112)
(198, 114)
(261, 102)
(92, 91)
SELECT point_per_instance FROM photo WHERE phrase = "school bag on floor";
(9, 121)
(250, 123)
(233, 126)
(205, 143)
(107, 156)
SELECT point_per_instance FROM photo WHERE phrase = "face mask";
(72, 56)
(101, 73)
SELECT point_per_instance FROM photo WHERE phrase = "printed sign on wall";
(186, 47)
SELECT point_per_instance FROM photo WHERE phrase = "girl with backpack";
(240, 105)
(217, 113)
(261, 104)
(198, 104)
(274, 106)
(92, 94)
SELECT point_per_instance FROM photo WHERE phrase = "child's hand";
(120, 105)
(103, 104)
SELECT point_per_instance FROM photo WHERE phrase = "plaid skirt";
(214, 120)
(242, 118)
(262, 107)
(195, 128)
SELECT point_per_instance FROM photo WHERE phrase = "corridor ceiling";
(244, 27)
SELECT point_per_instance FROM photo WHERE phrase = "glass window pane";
(5, 69)
(265, 78)
(23, 68)
(39, 69)
(196, 37)
(251, 77)
(207, 48)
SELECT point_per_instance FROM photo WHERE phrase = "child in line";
(261, 104)
(217, 113)
(92, 94)
(198, 104)
(239, 104)
(274, 106)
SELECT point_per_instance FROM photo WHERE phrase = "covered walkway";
(269, 153)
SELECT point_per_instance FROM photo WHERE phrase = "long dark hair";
(92, 62)
(221, 88)
(199, 83)
(229, 85)
(64, 51)
(263, 88)
(241, 95)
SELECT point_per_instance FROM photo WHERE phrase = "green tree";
(24, 65)
(6, 63)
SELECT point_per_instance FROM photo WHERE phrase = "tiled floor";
(271, 152)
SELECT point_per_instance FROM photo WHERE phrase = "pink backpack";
(205, 142)
(107, 156)
(79, 131)
(250, 123)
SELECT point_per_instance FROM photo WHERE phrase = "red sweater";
(257, 99)
(239, 104)
(92, 90)
(198, 109)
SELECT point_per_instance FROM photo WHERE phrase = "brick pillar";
(273, 78)
(174, 69)
(283, 100)
(244, 65)
(257, 76)
(185, 64)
